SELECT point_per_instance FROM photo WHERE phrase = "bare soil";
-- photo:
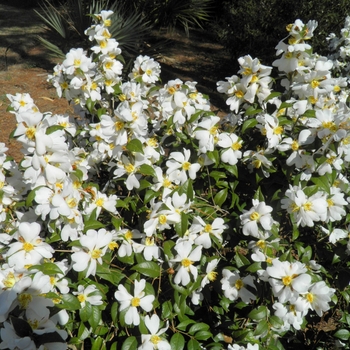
(25, 64)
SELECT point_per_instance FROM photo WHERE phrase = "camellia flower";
(132, 302)
(186, 257)
(210, 273)
(94, 245)
(258, 214)
(178, 166)
(236, 287)
(89, 295)
(206, 231)
(207, 133)
(154, 341)
(232, 145)
(306, 210)
(291, 314)
(288, 280)
(319, 296)
(30, 248)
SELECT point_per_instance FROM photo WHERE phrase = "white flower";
(335, 205)
(337, 234)
(30, 248)
(291, 314)
(132, 302)
(186, 257)
(77, 59)
(94, 245)
(210, 273)
(306, 210)
(207, 133)
(288, 280)
(89, 295)
(232, 145)
(236, 287)
(154, 341)
(258, 214)
(178, 166)
(207, 231)
(319, 296)
(145, 68)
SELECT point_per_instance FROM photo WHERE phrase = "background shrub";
(256, 26)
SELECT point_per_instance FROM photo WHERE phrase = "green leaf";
(261, 328)
(217, 175)
(184, 324)
(149, 195)
(186, 188)
(95, 318)
(342, 334)
(276, 321)
(241, 260)
(252, 111)
(254, 267)
(144, 184)
(231, 169)
(146, 169)
(285, 105)
(85, 312)
(53, 128)
(259, 313)
(310, 113)
(97, 344)
(177, 342)
(69, 302)
(135, 145)
(130, 343)
(248, 124)
(47, 268)
(31, 196)
(220, 197)
(92, 225)
(272, 95)
(90, 105)
(203, 335)
(167, 247)
(322, 183)
(214, 156)
(167, 309)
(112, 275)
(148, 268)
(201, 326)
(182, 226)
(193, 344)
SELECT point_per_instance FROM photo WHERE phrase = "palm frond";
(54, 50)
(53, 18)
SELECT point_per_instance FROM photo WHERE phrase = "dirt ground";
(25, 64)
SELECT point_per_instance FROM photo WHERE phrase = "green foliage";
(255, 26)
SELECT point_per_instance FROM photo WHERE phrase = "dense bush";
(255, 26)
(147, 222)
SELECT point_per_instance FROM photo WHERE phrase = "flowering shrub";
(148, 222)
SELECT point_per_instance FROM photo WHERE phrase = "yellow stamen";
(186, 262)
(186, 165)
(239, 284)
(96, 253)
(254, 216)
(135, 302)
